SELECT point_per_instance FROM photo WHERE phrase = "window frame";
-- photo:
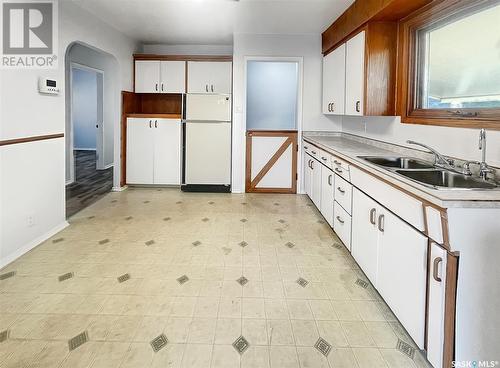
(431, 16)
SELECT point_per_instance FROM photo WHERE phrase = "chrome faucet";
(439, 159)
(484, 169)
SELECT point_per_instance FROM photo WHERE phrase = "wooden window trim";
(427, 16)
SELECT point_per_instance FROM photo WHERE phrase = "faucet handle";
(466, 167)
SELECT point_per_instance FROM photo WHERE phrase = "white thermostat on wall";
(48, 86)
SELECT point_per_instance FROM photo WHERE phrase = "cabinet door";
(307, 175)
(167, 152)
(173, 77)
(436, 303)
(316, 183)
(327, 193)
(402, 272)
(220, 77)
(355, 75)
(147, 76)
(140, 151)
(198, 77)
(334, 66)
(364, 242)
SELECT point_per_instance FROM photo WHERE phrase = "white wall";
(32, 175)
(454, 142)
(187, 49)
(84, 101)
(307, 46)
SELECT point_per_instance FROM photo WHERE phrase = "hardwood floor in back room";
(90, 184)
(154, 277)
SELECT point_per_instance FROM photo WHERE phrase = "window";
(452, 53)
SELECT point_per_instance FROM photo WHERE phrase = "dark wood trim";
(450, 308)
(406, 106)
(9, 142)
(291, 140)
(183, 57)
(362, 12)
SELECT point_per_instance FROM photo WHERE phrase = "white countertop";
(349, 147)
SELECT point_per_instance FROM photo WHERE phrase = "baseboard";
(84, 149)
(12, 257)
(206, 188)
(119, 189)
(108, 166)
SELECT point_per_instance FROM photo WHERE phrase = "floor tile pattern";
(276, 322)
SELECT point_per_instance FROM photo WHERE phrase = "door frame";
(100, 112)
(300, 86)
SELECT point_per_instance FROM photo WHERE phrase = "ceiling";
(213, 21)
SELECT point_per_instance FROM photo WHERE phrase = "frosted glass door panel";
(272, 91)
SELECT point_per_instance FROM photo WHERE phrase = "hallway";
(161, 278)
(90, 184)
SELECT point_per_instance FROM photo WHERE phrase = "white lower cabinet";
(436, 305)
(316, 183)
(364, 243)
(393, 256)
(402, 272)
(307, 175)
(327, 194)
(342, 224)
(153, 151)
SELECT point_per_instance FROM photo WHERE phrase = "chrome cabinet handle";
(312, 164)
(338, 163)
(150, 124)
(306, 147)
(333, 107)
(212, 87)
(313, 152)
(323, 158)
(309, 164)
(156, 123)
(373, 214)
(338, 170)
(162, 87)
(156, 87)
(330, 180)
(358, 106)
(341, 190)
(340, 220)
(381, 223)
(206, 87)
(436, 262)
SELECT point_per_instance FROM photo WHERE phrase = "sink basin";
(446, 179)
(399, 162)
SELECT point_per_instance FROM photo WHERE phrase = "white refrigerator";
(207, 150)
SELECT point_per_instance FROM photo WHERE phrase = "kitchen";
(288, 200)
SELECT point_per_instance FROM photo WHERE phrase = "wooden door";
(334, 66)
(365, 235)
(271, 162)
(167, 151)
(355, 75)
(147, 76)
(140, 151)
(173, 77)
(402, 272)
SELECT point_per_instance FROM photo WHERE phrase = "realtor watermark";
(29, 34)
(475, 364)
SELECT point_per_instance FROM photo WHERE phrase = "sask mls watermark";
(29, 34)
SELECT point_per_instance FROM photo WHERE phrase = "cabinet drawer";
(407, 207)
(342, 224)
(343, 193)
(341, 168)
(325, 158)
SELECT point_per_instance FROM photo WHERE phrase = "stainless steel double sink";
(428, 174)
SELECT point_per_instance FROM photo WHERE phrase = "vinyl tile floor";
(160, 278)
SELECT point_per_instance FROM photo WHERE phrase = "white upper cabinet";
(209, 77)
(147, 76)
(355, 75)
(173, 77)
(334, 74)
(154, 76)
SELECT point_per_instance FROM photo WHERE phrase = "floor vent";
(58, 240)
(78, 340)
(405, 348)
(103, 241)
(123, 278)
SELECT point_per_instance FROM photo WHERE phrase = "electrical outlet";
(30, 220)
